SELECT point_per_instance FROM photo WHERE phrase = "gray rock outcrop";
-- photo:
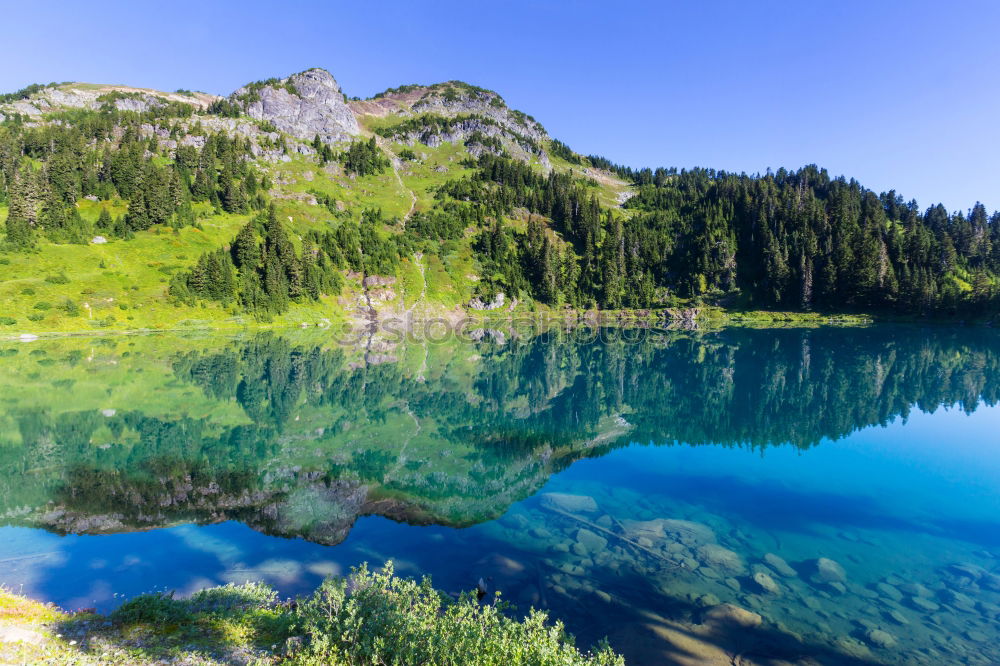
(317, 106)
(497, 302)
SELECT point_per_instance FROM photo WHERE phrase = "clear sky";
(901, 95)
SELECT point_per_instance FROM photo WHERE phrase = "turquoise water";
(629, 482)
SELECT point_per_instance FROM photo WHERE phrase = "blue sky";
(901, 95)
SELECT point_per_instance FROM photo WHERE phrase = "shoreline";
(707, 318)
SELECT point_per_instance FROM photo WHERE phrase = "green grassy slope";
(122, 285)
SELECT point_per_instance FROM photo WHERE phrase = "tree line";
(787, 240)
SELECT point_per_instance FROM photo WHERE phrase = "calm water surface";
(629, 483)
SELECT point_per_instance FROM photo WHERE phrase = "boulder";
(924, 604)
(881, 639)
(990, 581)
(887, 591)
(732, 616)
(778, 563)
(916, 590)
(687, 531)
(829, 571)
(766, 583)
(721, 558)
(898, 617)
(590, 542)
(649, 529)
(569, 503)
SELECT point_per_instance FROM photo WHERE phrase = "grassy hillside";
(123, 284)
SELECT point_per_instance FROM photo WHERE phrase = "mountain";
(288, 203)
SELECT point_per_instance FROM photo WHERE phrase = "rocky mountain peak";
(304, 105)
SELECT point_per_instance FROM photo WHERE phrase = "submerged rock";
(569, 503)
(721, 558)
(898, 617)
(924, 604)
(651, 530)
(687, 531)
(708, 600)
(778, 563)
(958, 600)
(590, 542)
(990, 581)
(880, 638)
(684, 532)
(966, 570)
(829, 571)
(729, 614)
(766, 583)
(916, 590)
(888, 591)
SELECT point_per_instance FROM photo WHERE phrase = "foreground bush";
(377, 618)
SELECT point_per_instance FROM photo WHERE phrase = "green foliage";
(410, 87)
(260, 271)
(379, 618)
(560, 149)
(7, 321)
(364, 158)
(20, 234)
(24, 93)
(153, 609)
(225, 108)
(233, 597)
(70, 308)
(57, 279)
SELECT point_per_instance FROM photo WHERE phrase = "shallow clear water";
(556, 468)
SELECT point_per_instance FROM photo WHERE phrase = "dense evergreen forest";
(786, 240)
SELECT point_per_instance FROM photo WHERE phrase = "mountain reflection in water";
(295, 437)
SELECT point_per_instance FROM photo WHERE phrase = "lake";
(840, 486)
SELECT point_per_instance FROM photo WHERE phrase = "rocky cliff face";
(485, 103)
(315, 107)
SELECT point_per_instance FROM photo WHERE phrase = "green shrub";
(231, 597)
(157, 609)
(384, 619)
(36, 316)
(28, 291)
(42, 305)
(57, 279)
(71, 308)
(7, 321)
